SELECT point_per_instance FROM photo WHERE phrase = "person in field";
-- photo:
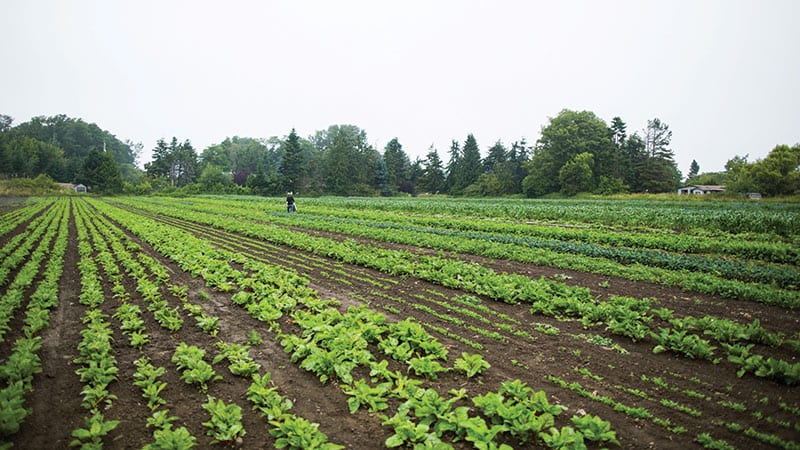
(290, 206)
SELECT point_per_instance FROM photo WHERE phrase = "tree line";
(577, 152)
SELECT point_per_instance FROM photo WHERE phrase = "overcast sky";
(724, 75)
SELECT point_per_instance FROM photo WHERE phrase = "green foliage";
(43, 184)
(92, 436)
(12, 408)
(297, 433)
(777, 174)
(576, 175)
(169, 439)
(361, 393)
(254, 339)
(680, 341)
(100, 173)
(194, 370)
(266, 399)
(566, 438)
(239, 361)
(595, 429)
(425, 366)
(471, 365)
(225, 425)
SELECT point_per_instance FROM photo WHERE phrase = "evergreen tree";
(433, 178)
(469, 167)
(659, 173)
(177, 163)
(101, 173)
(398, 166)
(636, 158)
(618, 133)
(694, 169)
(349, 162)
(518, 156)
(292, 167)
(453, 166)
(382, 177)
(497, 155)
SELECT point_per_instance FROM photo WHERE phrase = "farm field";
(133, 322)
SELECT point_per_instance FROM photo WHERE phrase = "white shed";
(700, 189)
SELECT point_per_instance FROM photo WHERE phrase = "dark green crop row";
(787, 278)
(749, 246)
(781, 219)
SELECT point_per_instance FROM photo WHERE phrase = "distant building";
(79, 188)
(701, 189)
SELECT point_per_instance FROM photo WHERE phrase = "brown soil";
(528, 355)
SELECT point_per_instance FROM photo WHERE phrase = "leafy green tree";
(262, 184)
(737, 175)
(778, 173)
(5, 123)
(100, 173)
(502, 171)
(711, 178)
(500, 181)
(213, 180)
(23, 156)
(576, 175)
(568, 134)
(75, 138)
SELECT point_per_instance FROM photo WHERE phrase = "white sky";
(724, 75)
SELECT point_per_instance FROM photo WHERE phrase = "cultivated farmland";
(410, 323)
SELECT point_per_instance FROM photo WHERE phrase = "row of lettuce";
(43, 254)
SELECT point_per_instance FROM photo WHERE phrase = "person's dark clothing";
(289, 203)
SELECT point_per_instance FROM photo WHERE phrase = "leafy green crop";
(471, 365)
(225, 425)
